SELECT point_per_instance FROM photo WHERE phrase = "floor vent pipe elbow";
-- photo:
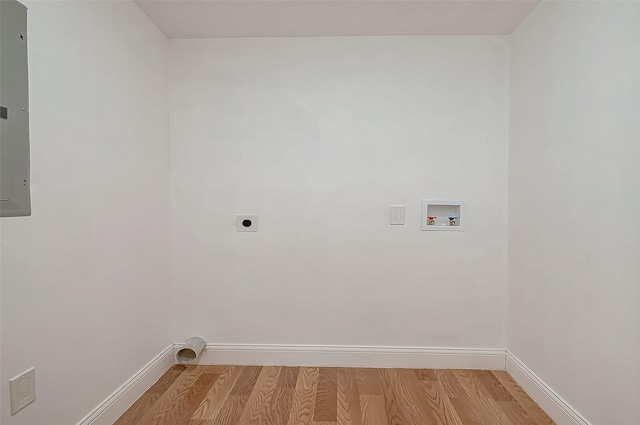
(191, 350)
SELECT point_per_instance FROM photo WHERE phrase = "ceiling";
(304, 18)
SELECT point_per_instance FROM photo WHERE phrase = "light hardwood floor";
(273, 395)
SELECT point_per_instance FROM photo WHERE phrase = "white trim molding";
(351, 356)
(554, 405)
(107, 412)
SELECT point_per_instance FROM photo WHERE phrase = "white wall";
(85, 278)
(574, 297)
(319, 136)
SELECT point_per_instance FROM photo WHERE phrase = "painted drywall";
(319, 136)
(85, 278)
(312, 18)
(574, 298)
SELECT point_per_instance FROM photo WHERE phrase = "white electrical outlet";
(22, 390)
(396, 214)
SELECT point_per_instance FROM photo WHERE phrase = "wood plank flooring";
(274, 395)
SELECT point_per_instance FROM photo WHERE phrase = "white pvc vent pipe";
(192, 348)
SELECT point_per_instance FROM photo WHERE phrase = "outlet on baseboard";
(22, 390)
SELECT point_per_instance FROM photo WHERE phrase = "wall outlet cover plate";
(396, 213)
(22, 390)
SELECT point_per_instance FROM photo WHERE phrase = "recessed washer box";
(443, 215)
(247, 222)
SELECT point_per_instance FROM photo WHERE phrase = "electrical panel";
(15, 196)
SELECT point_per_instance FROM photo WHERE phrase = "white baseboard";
(351, 356)
(554, 405)
(107, 412)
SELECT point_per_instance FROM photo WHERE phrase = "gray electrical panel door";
(15, 197)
